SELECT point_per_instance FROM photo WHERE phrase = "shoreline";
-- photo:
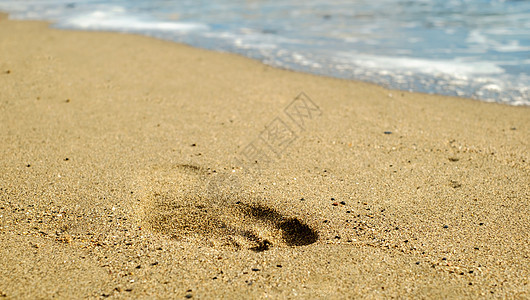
(118, 178)
(386, 85)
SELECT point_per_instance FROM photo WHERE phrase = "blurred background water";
(470, 48)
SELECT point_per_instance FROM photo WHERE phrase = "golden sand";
(128, 169)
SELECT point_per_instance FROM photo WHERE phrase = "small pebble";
(279, 266)
(445, 226)
(335, 204)
(343, 203)
(255, 269)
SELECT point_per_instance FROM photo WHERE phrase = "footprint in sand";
(190, 202)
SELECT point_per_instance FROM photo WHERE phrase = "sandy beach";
(140, 168)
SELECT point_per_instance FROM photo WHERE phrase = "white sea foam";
(454, 67)
(481, 40)
(119, 21)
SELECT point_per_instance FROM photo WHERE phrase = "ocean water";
(471, 48)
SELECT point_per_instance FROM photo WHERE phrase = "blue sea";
(470, 48)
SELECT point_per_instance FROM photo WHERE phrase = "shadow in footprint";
(294, 231)
(177, 203)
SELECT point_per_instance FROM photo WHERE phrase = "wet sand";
(134, 167)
